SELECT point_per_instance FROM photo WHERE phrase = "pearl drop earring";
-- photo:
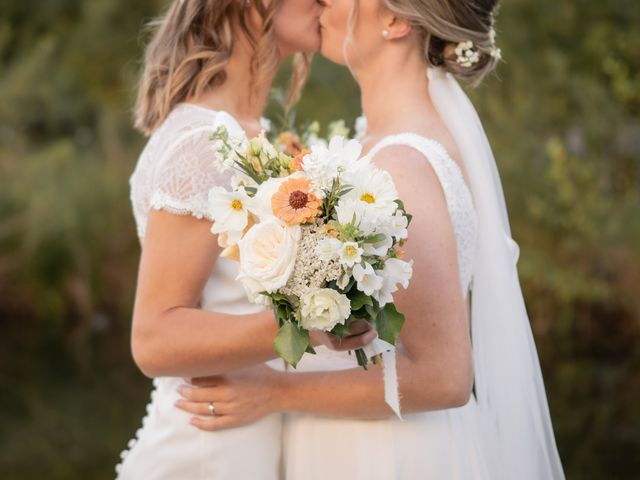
(385, 33)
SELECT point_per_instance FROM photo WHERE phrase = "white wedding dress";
(430, 445)
(504, 432)
(174, 173)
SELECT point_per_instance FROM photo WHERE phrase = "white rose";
(267, 255)
(323, 309)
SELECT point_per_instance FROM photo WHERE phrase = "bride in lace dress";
(472, 399)
(210, 63)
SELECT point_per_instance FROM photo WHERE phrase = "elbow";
(149, 356)
(458, 387)
(445, 388)
(457, 394)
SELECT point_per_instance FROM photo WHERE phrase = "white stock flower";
(267, 255)
(367, 279)
(350, 254)
(230, 212)
(323, 309)
(328, 248)
(325, 164)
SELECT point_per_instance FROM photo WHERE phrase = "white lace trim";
(176, 169)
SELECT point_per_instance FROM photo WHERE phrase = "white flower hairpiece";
(466, 54)
(495, 52)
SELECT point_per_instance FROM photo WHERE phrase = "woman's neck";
(394, 93)
(237, 95)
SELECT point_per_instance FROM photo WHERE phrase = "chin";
(332, 55)
(301, 45)
(314, 44)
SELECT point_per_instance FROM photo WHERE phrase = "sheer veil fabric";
(513, 415)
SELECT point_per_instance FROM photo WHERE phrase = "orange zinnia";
(290, 143)
(294, 203)
(296, 163)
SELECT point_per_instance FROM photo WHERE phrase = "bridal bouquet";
(317, 234)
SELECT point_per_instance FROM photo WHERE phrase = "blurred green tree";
(563, 114)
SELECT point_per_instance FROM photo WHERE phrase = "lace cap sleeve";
(185, 175)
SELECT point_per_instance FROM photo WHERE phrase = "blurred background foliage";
(563, 114)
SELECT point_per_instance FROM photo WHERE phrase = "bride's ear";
(394, 28)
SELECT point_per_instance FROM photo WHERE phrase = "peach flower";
(294, 203)
(296, 163)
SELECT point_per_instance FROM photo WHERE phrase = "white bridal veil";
(517, 436)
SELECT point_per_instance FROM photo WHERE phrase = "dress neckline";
(439, 147)
(264, 122)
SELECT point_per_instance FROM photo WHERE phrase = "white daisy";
(230, 212)
(376, 191)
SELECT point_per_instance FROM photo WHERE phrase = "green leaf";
(376, 238)
(359, 300)
(291, 342)
(372, 311)
(409, 218)
(340, 330)
(389, 323)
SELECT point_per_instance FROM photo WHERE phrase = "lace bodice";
(457, 194)
(176, 169)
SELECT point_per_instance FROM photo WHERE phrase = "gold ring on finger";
(212, 409)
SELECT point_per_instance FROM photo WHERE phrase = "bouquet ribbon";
(390, 373)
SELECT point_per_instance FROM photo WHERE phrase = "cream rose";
(267, 256)
(323, 309)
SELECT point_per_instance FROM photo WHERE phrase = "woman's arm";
(171, 335)
(434, 361)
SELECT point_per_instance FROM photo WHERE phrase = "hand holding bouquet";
(317, 234)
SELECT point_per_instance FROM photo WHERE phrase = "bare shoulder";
(410, 169)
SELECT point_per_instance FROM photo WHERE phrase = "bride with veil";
(422, 124)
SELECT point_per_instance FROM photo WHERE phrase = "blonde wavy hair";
(441, 25)
(190, 46)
